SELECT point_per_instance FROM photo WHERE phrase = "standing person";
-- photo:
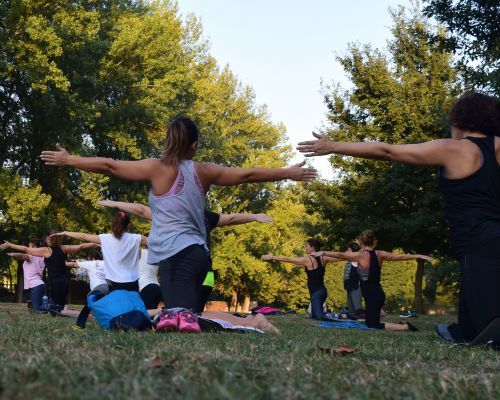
(177, 241)
(120, 250)
(33, 267)
(351, 281)
(470, 185)
(369, 267)
(211, 220)
(314, 267)
(55, 263)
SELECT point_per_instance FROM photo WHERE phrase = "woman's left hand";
(59, 157)
(320, 147)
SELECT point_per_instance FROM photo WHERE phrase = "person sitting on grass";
(33, 267)
(177, 241)
(314, 267)
(212, 220)
(469, 181)
(369, 267)
(58, 280)
(120, 250)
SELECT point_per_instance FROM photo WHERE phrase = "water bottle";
(45, 303)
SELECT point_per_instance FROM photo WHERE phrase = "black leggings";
(58, 291)
(374, 301)
(130, 286)
(205, 292)
(479, 300)
(151, 296)
(182, 275)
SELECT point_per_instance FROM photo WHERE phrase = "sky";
(284, 49)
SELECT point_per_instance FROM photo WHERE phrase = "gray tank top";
(178, 219)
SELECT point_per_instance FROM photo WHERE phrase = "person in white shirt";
(95, 271)
(120, 250)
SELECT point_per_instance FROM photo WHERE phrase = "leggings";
(151, 296)
(374, 301)
(130, 286)
(204, 295)
(479, 300)
(318, 298)
(58, 291)
(182, 275)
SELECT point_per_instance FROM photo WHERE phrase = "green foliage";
(474, 36)
(400, 96)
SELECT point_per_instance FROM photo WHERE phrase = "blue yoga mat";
(343, 325)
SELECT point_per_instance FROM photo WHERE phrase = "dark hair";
(476, 112)
(120, 224)
(314, 243)
(182, 133)
(34, 241)
(354, 246)
(367, 237)
(54, 241)
(94, 255)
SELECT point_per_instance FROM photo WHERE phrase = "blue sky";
(285, 48)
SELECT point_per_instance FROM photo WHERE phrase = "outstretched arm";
(328, 260)
(72, 249)
(80, 236)
(139, 210)
(72, 264)
(19, 256)
(337, 255)
(295, 261)
(386, 256)
(34, 251)
(141, 170)
(433, 153)
(213, 174)
(237, 219)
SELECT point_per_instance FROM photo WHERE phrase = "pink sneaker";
(188, 322)
(168, 322)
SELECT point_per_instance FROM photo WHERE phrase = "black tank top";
(374, 270)
(315, 277)
(472, 204)
(56, 264)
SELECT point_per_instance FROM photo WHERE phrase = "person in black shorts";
(369, 268)
(314, 267)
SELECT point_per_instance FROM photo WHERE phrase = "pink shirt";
(33, 271)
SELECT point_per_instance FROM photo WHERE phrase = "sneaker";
(407, 314)
(168, 321)
(188, 322)
(55, 310)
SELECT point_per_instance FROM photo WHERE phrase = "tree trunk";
(419, 278)
(20, 282)
(245, 306)
(234, 302)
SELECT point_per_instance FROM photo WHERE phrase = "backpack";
(120, 309)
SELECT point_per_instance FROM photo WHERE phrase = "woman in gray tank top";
(177, 240)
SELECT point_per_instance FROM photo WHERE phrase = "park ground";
(42, 357)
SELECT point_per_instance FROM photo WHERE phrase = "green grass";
(43, 358)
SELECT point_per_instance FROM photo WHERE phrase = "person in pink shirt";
(33, 267)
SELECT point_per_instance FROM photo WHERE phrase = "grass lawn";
(44, 358)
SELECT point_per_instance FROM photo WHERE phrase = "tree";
(474, 38)
(398, 97)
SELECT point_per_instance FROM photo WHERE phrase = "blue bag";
(120, 309)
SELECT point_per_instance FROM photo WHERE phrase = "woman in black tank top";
(369, 268)
(55, 263)
(315, 270)
(470, 184)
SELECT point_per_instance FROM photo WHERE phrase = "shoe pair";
(175, 320)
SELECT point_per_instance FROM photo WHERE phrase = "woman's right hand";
(297, 172)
